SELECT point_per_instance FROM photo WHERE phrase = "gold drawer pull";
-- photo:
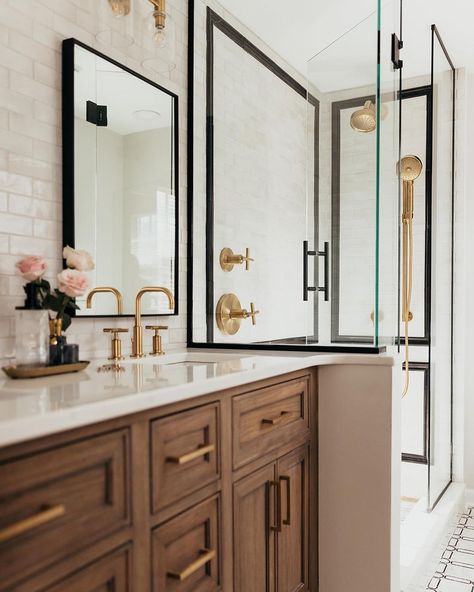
(277, 420)
(43, 517)
(185, 458)
(206, 555)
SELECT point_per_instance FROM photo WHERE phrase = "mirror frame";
(68, 159)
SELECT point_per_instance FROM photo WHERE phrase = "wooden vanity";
(213, 493)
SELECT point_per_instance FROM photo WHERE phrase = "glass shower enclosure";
(295, 190)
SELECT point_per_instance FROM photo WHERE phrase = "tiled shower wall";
(31, 32)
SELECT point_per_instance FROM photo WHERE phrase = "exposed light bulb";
(120, 7)
(160, 38)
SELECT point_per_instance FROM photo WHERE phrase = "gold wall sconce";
(229, 314)
(120, 7)
(159, 17)
(228, 259)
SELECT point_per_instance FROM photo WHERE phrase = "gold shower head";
(363, 120)
(410, 167)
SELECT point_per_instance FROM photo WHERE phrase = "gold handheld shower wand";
(409, 168)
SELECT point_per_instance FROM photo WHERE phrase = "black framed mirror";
(120, 178)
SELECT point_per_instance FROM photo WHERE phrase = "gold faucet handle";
(116, 342)
(247, 259)
(253, 313)
(157, 341)
(228, 259)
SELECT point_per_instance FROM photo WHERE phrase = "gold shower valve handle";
(228, 259)
(229, 314)
(245, 314)
(157, 341)
(116, 342)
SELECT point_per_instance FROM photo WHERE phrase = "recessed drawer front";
(57, 502)
(185, 454)
(269, 418)
(185, 551)
(109, 574)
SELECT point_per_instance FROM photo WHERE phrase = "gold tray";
(39, 371)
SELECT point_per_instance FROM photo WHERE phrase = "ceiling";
(300, 29)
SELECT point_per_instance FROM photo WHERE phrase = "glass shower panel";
(441, 342)
(358, 93)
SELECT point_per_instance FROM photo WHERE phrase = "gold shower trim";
(410, 168)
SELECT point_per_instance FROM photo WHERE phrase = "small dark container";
(56, 351)
(70, 354)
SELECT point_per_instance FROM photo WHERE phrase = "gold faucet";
(102, 289)
(137, 339)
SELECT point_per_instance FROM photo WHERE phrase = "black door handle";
(307, 253)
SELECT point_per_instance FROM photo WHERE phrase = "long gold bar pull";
(206, 555)
(188, 457)
(23, 526)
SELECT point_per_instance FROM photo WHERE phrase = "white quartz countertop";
(43, 406)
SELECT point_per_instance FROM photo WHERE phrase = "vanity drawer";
(184, 454)
(108, 574)
(57, 502)
(267, 419)
(185, 551)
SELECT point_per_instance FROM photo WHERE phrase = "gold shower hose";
(410, 169)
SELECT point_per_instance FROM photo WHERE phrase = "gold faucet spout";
(101, 290)
(137, 339)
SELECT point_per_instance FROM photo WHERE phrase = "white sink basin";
(185, 358)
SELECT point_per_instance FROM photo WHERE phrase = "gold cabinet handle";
(206, 555)
(22, 526)
(287, 521)
(189, 456)
(276, 420)
(277, 485)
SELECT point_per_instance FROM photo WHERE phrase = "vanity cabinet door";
(293, 540)
(254, 537)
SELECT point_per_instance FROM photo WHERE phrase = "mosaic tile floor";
(455, 572)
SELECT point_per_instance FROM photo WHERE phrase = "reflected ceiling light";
(363, 120)
(120, 7)
(147, 114)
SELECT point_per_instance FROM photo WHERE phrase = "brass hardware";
(157, 341)
(409, 168)
(188, 457)
(55, 330)
(103, 289)
(287, 521)
(23, 526)
(206, 555)
(228, 259)
(229, 314)
(116, 343)
(363, 120)
(137, 339)
(159, 13)
(120, 7)
(277, 420)
(277, 526)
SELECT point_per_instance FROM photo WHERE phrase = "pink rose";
(31, 268)
(80, 260)
(73, 283)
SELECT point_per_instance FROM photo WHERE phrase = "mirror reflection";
(124, 192)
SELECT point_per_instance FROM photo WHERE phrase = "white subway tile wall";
(31, 32)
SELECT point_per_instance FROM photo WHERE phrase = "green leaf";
(66, 321)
